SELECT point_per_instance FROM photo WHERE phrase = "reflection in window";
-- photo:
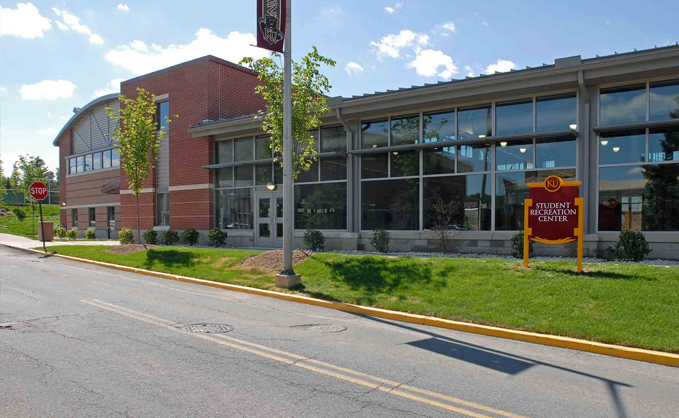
(555, 152)
(71, 166)
(115, 159)
(438, 127)
(374, 166)
(514, 117)
(308, 176)
(471, 196)
(163, 209)
(224, 177)
(663, 145)
(74, 218)
(162, 114)
(664, 101)
(81, 164)
(333, 139)
(262, 149)
(263, 174)
(405, 130)
(474, 122)
(473, 158)
(517, 155)
(321, 206)
(334, 168)
(626, 147)
(107, 159)
(243, 176)
(390, 204)
(622, 105)
(88, 162)
(97, 161)
(555, 113)
(405, 163)
(244, 149)
(439, 160)
(375, 134)
(224, 152)
(234, 209)
(93, 217)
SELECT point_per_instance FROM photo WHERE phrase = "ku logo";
(270, 29)
(553, 183)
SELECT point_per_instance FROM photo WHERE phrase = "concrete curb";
(657, 357)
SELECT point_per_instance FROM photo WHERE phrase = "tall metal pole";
(287, 147)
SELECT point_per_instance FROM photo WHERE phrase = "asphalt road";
(92, 342)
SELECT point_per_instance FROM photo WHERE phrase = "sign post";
(553, 215)
(39, 192)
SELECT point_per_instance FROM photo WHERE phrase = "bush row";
(190, 237)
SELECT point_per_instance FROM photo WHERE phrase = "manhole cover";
(208, 328)
(322, 328)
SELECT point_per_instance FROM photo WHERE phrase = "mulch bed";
(273, 260)
(129, 248)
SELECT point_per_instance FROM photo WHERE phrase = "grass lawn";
(24, 227)
(633, 305)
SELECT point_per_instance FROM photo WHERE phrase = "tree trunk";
(138, 229)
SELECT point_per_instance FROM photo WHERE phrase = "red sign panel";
(553, 212)
(271, 20)
(38, 190)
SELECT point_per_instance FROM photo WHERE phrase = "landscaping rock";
(273, 260)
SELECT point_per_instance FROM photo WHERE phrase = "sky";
(57, 55)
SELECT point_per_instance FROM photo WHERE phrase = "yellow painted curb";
(650, 356)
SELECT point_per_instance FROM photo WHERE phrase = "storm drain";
(322, 328)
(208, 328)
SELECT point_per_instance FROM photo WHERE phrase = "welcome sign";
(553, 215)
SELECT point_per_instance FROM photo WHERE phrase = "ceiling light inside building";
(604, 142)
(573, 126)
(482, 136)
(616, 149)
(503, 143)
(523, 150)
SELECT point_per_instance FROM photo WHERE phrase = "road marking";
(393, 388)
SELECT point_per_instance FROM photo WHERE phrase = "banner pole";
(527, 203)
(287, 146)
(580, 202)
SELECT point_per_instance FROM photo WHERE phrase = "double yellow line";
(373, 382)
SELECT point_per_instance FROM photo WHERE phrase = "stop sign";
(38, 190)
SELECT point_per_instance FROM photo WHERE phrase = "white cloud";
(48, 90)
(96, 39)
(470, 71)
(428, 62)
(3, 89)
(331, 11)
(25, 21)
(392, 44)
(444, 29)
(48, 131)
(112, 86)
(61, 25)
(123, 8)
(70, 21)
(391, 10)
(502, 66)
(139, 46)
(353, 68)
(232, 48)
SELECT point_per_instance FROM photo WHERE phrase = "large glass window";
(439, 160)
(555, 152)
(115, 159)
(74, 218)
(474, 158)
(405, 130)
(664, 101)
(163, 209)
(97, 161)
(262, 149)
(374, 166)
(263, 174)
(438, 127)
(405, 163)
(474, 122)
(390, 204)
(107, 159)
(308, 176)
(624, 147)
(71, 166)
(93, 217)
(224, 177)
(469, 198)
(81, 164)
(639, 197)
(243, 176)
(375, 134)
(321, 206)
(162, 114)
(88, 162)
(234, 208)
(333, 139)
(555, 113)
(517, 155)
(334, 168)
(663, 145)
(514, 117)
(244, 149)
(224, 152)
(621, 105)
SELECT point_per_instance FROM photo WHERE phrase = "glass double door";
(269, 223)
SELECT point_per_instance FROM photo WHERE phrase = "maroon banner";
(271, 19)
(553, 213)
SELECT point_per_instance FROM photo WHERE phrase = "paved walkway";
(23, 242)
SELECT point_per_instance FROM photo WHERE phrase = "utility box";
(49, 230)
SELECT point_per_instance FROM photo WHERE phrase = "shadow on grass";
(595, 274)
(169, 258)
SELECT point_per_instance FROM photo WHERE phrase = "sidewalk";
(23, 242)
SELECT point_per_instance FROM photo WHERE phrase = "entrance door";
(269, 224)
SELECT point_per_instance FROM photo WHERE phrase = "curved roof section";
(76, 116)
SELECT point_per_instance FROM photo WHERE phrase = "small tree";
(309, 102)
(443, 215)
(137, 135)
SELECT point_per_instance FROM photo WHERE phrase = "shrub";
(60, 232)
(190, 236)
(150, 237)
(73, 234)
(19, 214)
(170, 237)
(314, 240)
(89, 233)
(517, 246)
(125, 236)
(631, 246)
(217, 237)
(380, 240)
